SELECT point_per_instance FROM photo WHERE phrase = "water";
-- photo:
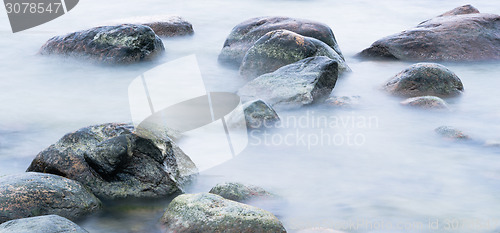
(401, 173)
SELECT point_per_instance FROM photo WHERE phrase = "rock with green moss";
(240, 192)
(41, 224)
(423, 79)
(245, 34)
(126, 43)
(426, 102)
(282, 47)
(301, 83)
(115, 162)
(205, 212)
(33, 194)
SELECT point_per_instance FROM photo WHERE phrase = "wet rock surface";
(114, 162)
(343, 101)
(163, 25)
(33, 194)
(41, 224)
(245, 34)
(301, 83)
(282, 47)
(424, 79)
(239, 192)
(205, 212)
(426, 102)
(462, 34)
(126, 43)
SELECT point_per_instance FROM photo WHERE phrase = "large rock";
(426, 102)
(301, 83)
(163, 25)
(34, 194)
(41, 224)
(115, 163)
(245, 34)
(424, 79)
(282, 47)
(126, 43)
(207, 212)
(462, 34)
(239, 192)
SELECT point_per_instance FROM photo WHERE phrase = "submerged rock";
(34, 194)
(343, 101)
(239, 192)
(115, 163)
(205, 212)
(451, 133)
(426, 102)
(282, 47)
(423, 79)
(41, 224)
(257, 113)
(245, 34)
(301, 83)
(126, 43)
(462, 34)
(163, 25)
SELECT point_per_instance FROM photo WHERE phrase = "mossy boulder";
(114, 162)
(205, 212)
(41, 224)
(462, 34)
(33, 194)
(423, 79)
(240, 192)
(126, 43)
(301, 83)
(282, 47)
(245, 34)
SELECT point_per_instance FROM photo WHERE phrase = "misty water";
(390, 169)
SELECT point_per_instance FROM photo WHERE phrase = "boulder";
(41, 224)
(114, 162)
(426, 102)
(33, 194)
(163, 25)
(282, 47)
(423, 79)
(126, 43)
(239, 192)
(343, 101)
(205, 212)
(300, 83)
(462, 34)
(245, 34)
(451, 133)
(257, 114)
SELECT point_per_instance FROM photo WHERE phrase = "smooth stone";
(239, 192)
(245, 34)
(33, 194)
(206, 212)
(343, 101)
(122, 44)
(282, 47)
(426, 102)
(41, 224)
(451, 133)
(301, 83)
(425, 79)
(162, 25)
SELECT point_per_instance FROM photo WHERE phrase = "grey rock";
(451, 133)
(41, 224)
(462, 34)
(423, 79)
(245, 34)
(114, 162)
(343, 101)
(426, 102)
(126, 43)
(33, 194)
(282, 47)
(301, 83)
(239, 192)
(163, 25)
(205, 212)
